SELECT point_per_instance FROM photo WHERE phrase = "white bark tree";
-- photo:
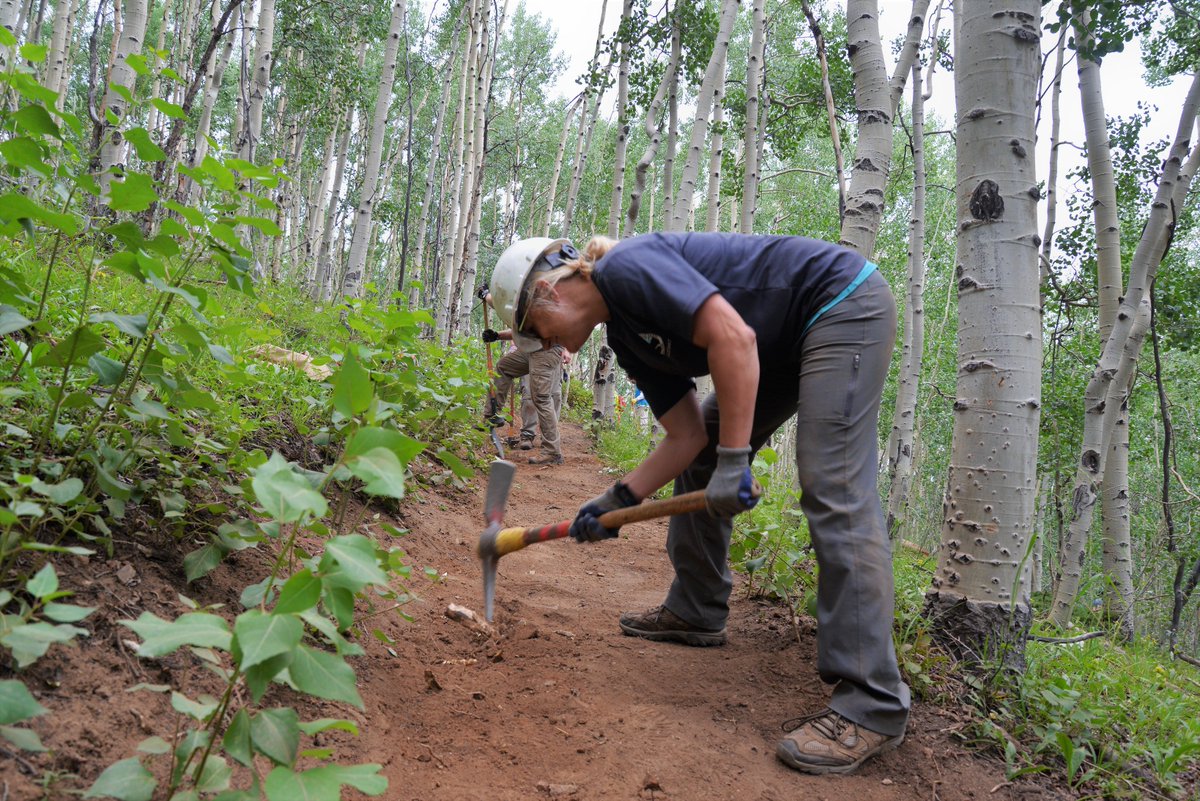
(979, 599)
(714, 73)
(877, 98)
(112, 142)
(260, 83)
(625, 30)
(357, 260)
(754, 76)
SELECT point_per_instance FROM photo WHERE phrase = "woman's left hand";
(731, 488)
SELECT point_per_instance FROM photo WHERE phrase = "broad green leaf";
(352, 389)
(30, 642)
(34, 52)
(258, 636)
(62, 492)
(43, 583)
(77, 550)
(25, 739)
(340, 599)
(27, 509)
(301, 592)
(135, 193)
(137, 63)
(132, 324)
(276, 735)
(200, 710)
(17, 703)
(215, 775)
(380, 471)
(154, 745)
(223, 177)
(368, 438)
(150, 408)
(172, 110)
(12, 320)
(36, 120)
(66, 613)
(259, 677)
(146, 149)
(323, 675)
(325, 724)
(355, 554)
(456, 465)
(285, 494)
(109, 372)
(161, 637)
(126, 780)
(24, 152)
(323, 783)
(264, 225)
(237, 738)
(202, 561)
(75, 349)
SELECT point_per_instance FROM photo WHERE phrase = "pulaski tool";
(495, 541)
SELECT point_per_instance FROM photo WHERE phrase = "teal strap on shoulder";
(863, 274)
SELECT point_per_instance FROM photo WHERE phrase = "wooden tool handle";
(666, 507)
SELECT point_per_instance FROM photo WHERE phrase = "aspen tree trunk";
(713, 202)
(316, 202)
(587, 123)
(574, 106)
(668, 188)
(10, 15)
(714, 73)
(65, 71)
(654, 134)
(877, 99)
(625, 32)
(902, 441)
(449, 258)
(435, 146)
(153, 118)
(754, 67)
(835, 135)
(356, 262)
(260, 83)
(56, 58)
(212, 89)
(1114, 480)
(112, 143)
(33, 34)
(181, 55)
(979, 599)
(1052, 174)
(324, 261)
(1098, 417)
(483, 94)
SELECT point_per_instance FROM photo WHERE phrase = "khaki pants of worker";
(529, 417)
(544, 369)
(835, 392)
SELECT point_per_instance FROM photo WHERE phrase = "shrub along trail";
(561, 705)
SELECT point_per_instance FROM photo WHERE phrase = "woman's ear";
(544, 290)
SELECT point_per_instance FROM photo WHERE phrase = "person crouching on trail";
(786, 326)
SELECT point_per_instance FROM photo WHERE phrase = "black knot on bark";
(1090, 461)
(1017, 148)
(986, 203)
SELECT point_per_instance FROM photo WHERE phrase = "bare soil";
(559, 704)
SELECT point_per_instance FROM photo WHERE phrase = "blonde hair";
(593, 251)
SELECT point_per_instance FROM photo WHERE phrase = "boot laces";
(829, 723)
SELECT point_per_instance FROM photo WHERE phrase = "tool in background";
(491, 373)
(495, 542)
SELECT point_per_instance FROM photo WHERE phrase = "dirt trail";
(563, 705)
(560, 705)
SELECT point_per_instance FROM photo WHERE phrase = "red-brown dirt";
(560, 705)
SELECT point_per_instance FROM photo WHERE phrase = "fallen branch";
(1091, 635)
(461, 614)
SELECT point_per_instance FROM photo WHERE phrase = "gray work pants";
(544, 369)
(836, 393)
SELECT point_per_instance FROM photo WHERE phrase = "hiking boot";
(549, 458)
(662, 625)
(526, 443)
(829, 743)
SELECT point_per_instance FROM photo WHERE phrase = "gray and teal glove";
(731, 488)
(586, 526)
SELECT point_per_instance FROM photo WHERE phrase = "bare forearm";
(685, 438)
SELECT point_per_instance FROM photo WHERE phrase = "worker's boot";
(829, 743)
(491, 413)
(526, 443)
(663, 625)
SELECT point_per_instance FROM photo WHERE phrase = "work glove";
(731, 488)
(490, 336)
(482, 292)
(586, 526)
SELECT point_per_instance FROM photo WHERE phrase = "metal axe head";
(500, 478)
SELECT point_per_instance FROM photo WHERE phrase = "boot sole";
(794, 762)
(700, 639)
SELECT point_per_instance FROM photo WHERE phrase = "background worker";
(529, 416)
(543, 371)
(786, 326)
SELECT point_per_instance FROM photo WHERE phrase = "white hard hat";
(512, 271)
